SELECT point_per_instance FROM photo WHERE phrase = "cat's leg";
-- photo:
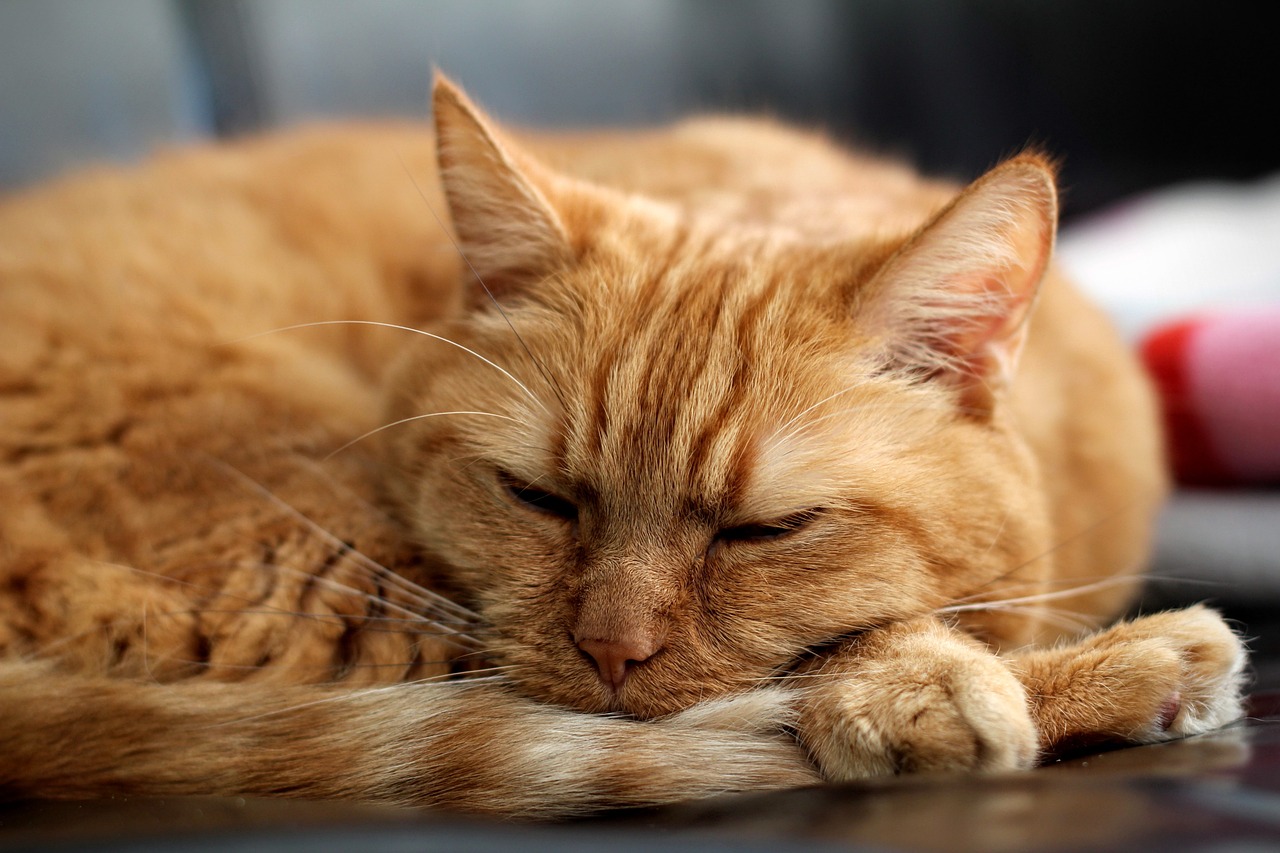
(916, 696)
(1155, 678)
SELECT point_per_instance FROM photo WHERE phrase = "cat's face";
(688, 456)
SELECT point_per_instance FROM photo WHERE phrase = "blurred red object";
(1219, 381)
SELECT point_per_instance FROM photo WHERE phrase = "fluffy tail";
(470, 746)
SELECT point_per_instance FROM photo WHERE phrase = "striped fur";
(733, 459)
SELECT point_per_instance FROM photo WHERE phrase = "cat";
(683, 461)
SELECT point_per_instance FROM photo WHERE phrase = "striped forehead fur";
(682, 349)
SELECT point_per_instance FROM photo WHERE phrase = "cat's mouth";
(670, 680)
(646, 673)
(666, 682)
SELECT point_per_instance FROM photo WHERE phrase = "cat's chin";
(631, 701)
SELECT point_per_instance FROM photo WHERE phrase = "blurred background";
(1130, 93)
(1136, 97)
(1158, 110)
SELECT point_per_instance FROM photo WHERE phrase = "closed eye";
(537, 499)
(773, 529)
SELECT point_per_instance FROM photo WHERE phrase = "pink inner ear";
(998, 311)
(955, 300)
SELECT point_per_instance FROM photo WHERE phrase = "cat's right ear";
(508, 231)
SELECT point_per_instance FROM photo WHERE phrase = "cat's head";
(684, 451)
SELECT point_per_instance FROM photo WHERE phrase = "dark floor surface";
(1218, 792)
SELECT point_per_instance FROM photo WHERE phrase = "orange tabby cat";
(804, 456)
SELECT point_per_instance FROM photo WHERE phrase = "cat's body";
(740, 419)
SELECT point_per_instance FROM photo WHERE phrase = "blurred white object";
(1182, 250)
(1193, 250)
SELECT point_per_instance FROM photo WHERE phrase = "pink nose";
(615, 659)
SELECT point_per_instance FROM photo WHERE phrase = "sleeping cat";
(798, 465)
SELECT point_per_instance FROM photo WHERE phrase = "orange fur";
(752, 408)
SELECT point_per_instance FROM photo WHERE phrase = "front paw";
(1156, 678)
(916, 698)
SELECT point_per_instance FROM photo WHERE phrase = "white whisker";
(407, 629)
(809, 409)
(377, 430)
(908, 408)
(431, 335)
(1040, 597)
(382, 571)
(412, 590)
(358, 694)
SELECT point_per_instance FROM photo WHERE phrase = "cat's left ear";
(954, 301)
(508, 230)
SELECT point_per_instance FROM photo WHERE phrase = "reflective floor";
(1218, 792)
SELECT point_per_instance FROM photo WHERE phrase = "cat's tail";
(470, 746)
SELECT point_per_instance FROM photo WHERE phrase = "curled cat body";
(683, 461)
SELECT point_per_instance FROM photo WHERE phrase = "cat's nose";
(616, 658)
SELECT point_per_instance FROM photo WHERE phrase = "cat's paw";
(1208, 663)
(917, 701)
(1156, 678)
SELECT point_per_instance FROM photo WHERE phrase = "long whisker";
(415, 591)
(409, 616)
(295, 669)
(825, 399)
(351, 695)
(1044, 596)
(555, 388)
(1065, 587)
(146, 653)
(1004, 520)
(907, 408)
(1070, 620)
(377, 430)
(466, 644)
(401, 627)
(437, 599)
(425, 334)
(1162, 580)
(458, 638)
(1085, 531)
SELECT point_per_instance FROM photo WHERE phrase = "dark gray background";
(1131, 93)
